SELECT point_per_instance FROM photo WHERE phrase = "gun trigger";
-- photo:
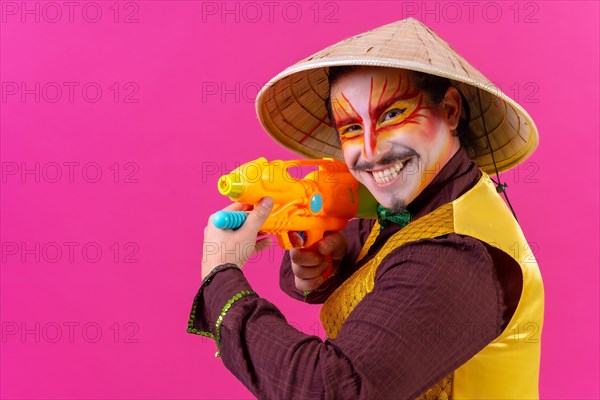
(284, 241)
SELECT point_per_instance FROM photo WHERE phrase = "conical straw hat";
(291, 106)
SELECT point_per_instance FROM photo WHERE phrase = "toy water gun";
(323, 200)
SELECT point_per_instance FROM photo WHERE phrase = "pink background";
(77, 324)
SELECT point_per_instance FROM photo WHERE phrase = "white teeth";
(387, 174)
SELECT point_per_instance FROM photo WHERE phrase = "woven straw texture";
(291, 106)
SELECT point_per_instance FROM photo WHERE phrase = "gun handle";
(285, 243)
(329, 269)
(312, 237)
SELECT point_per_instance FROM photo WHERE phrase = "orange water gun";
(323, 200)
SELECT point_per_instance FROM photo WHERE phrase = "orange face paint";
(391, 105)
(393, 141)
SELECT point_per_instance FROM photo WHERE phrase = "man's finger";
(310, 272)
(258, 216)
(308, 284)
(295, 239)
(334, 244)
(305, 258)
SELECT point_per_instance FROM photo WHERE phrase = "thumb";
(259, 215)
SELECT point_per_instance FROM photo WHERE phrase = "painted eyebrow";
(378, 110)
(382, 107)
(350, 119)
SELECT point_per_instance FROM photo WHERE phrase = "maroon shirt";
(435, 304)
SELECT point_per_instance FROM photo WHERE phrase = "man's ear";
(451, 107)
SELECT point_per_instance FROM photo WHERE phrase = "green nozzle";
(231, 185)
(367, 205)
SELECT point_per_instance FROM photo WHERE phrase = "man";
(428, 301)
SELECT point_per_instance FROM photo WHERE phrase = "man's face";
(393, 140)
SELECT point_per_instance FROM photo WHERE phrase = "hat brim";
(291, 106)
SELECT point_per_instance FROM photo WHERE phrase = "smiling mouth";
(390, 173)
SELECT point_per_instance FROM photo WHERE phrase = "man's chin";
(397, 206)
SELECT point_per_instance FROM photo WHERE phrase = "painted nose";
(369, 144)
(372, 147)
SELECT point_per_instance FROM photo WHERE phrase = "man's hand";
(309, 265)
(227, 246)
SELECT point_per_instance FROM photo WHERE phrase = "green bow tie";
(385, 216)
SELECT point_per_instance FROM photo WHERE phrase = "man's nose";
(369, 143)
(372, 146)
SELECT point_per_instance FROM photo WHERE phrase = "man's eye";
(393, 114)
(352, 128)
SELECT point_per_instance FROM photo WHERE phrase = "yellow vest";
(508, 367)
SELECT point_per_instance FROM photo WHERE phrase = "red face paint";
(385, 110)
(392, 140)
